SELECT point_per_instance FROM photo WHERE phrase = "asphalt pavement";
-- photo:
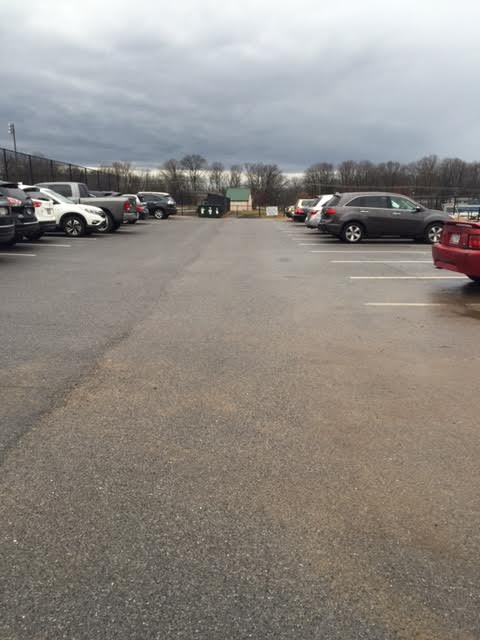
(219, 429)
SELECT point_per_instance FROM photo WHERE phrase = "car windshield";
(57, 196)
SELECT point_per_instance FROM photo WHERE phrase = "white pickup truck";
(117, 210)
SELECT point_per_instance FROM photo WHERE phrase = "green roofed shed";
(240, 198)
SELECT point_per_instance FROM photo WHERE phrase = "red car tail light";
(330, 211)
(14, 202)
(37, 203)
(474, 242)
(127, 206)
(298, 210)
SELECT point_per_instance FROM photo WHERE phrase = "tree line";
(189, 178)
(429, 178)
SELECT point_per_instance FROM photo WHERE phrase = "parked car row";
(352, 217)
(29, 211)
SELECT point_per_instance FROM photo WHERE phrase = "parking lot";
(241, 428)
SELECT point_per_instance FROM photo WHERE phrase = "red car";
(459, 249)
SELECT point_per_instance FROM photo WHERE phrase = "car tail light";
(298, 210)
(474, 242)
(37, 203)
(127, 206)
(330, 211)
(14, 202)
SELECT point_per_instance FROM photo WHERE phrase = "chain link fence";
(30, 169)
(23, 167)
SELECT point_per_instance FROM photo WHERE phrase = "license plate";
(455, 238)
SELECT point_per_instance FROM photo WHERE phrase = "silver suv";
(354, 216)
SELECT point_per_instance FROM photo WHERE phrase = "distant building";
(240, 199)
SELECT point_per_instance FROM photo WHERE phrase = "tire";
(107, 226)
(132, 222)
(73, 226)
(352, 232)
(474, 278)
(159, 214)
(9, 243)
(433, 232)
(35, 236)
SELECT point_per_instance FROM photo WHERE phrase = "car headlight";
(4, 211)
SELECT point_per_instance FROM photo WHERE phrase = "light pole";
(11, 131)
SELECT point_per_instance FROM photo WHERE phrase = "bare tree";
(318, 178)
(217, 177)
(194, 165)
(235, 177)
(294, 187)
(173, 177)
(347, 171)
(266, 182)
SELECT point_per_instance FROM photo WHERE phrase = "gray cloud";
(236, 82)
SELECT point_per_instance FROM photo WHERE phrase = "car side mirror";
(418, 208)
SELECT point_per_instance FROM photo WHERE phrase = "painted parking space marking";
(381, 262)
(420, 304)
(11, 253)
(41, 244)
(360, 252)
(407, 278)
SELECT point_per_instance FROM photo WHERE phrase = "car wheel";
(352, 232)
(34, 236)
(159, 214)
(433, 232)
(9, 243)
(474, 278)
(108, 224)
(73, 226)
(132, 222)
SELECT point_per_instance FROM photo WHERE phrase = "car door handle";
(364, 211)
(396, 213)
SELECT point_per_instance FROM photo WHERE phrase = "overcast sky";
(92, 82)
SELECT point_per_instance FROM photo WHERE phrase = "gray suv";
(354, 216)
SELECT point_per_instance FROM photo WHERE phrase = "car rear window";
(62, 189)
(14, 193)
(333, 201)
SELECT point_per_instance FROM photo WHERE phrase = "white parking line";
(407, 277)
(370, 251)
(41, 244)
(381, 262)
(419, 304)
(10, 253)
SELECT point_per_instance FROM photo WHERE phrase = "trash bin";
(214, 206)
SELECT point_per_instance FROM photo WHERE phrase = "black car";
(21, 205)
(7, 223)
(354, 216)
(160, 205)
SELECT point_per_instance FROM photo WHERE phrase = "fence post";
(70, 172)
(5, 164)
(30, 169)
(52, 174)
